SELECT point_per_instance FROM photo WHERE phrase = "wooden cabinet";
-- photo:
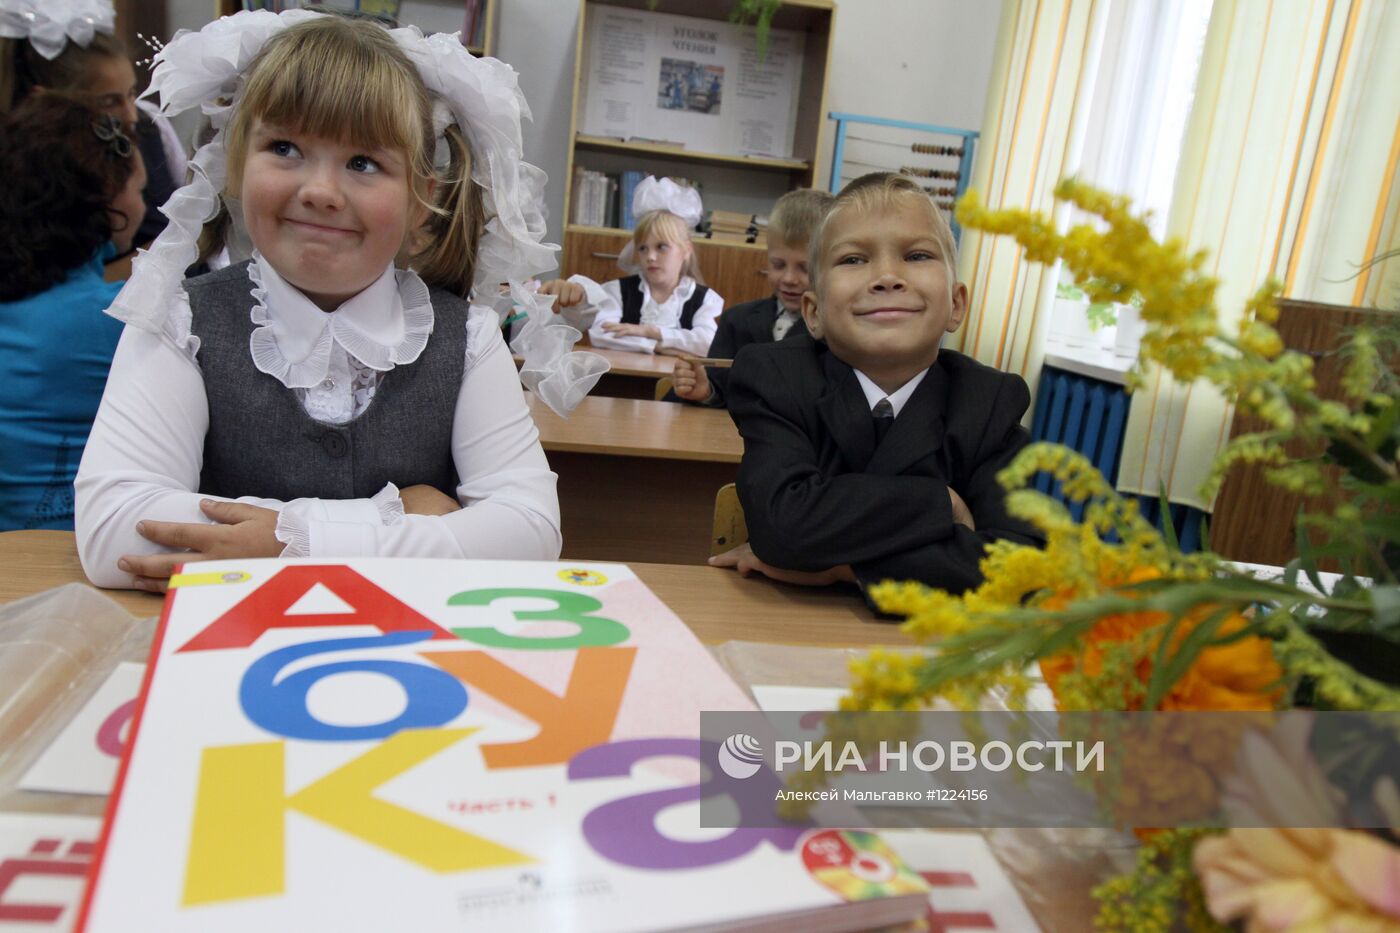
(736, 272)
(594, 252)
(746, 184)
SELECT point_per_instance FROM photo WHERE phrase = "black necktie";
(883, 416)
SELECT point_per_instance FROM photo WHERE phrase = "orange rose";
(1242, 675)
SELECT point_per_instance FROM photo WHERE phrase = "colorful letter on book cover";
(443, 745)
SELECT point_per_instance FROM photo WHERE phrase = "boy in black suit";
(790, 225)
(869, 453)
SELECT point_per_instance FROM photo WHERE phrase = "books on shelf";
(626, 188)
(603, 200)
(445, 745)
(733, 227)
(594, 199)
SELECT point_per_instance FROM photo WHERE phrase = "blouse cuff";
(337, 527)
(594, 297)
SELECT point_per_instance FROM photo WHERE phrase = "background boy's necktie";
(883, 415)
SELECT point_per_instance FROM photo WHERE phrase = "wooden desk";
(637, 479)
(633, 375)
(718, 605)
(626, 363)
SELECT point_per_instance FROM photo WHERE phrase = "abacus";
(867, 158)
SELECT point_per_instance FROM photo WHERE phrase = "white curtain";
(1288, 169)
(1032, 133)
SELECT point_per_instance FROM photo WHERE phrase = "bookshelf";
(747, 184)
(428, 15)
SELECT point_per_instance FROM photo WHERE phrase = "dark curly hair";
(57, 176)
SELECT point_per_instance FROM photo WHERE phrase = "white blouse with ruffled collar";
(144, 457)
(334, 360)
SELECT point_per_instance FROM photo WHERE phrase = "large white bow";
(49, 25)
(206, 69)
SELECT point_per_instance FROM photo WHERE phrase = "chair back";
(729, 530)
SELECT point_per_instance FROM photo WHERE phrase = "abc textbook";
(445, 746)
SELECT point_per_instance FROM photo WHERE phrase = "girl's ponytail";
(454, 225)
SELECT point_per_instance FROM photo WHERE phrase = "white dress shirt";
(145, 454)
(603, 305)
(783, 323)
(898, 397)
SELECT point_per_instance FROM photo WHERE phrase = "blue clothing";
(55, 350)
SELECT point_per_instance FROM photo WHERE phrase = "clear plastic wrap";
(56, 649)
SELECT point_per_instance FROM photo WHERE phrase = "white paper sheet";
(84, 757)
(970, 890)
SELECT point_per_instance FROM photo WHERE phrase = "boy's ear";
(811, 314)
(959, 309)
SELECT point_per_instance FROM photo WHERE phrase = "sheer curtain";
(1288, 168)
(1099, 89)
(1032, 133)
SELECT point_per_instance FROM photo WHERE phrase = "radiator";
(1090, 415)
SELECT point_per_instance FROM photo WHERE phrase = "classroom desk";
(637, 479)
(1054, 869)
(632, 375)
(718, 605)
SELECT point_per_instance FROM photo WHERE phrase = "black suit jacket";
(739, 326)
(817, 491)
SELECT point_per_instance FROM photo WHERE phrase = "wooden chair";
(729, 530)
(663, 385)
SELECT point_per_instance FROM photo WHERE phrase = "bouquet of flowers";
(1118, 618)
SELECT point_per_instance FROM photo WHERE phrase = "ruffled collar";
(682, 292)
(383, 326)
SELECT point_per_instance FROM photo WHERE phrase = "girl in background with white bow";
(322, 399)
(69, 46)
(663, 307)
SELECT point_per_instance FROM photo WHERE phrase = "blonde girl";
(323, 399)
(663, 307)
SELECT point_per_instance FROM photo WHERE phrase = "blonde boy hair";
(346, 79)
(881, 191)
(669, 228)
(795, 216)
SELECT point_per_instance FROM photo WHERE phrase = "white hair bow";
(663, 194)
(49, 25)
(482, 96)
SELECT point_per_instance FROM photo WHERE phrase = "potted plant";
(1081, 321)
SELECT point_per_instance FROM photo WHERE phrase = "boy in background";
(869, 453)
(790, 225)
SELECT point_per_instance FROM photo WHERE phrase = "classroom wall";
(935, 59)
(923, 60)
(929, 61)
